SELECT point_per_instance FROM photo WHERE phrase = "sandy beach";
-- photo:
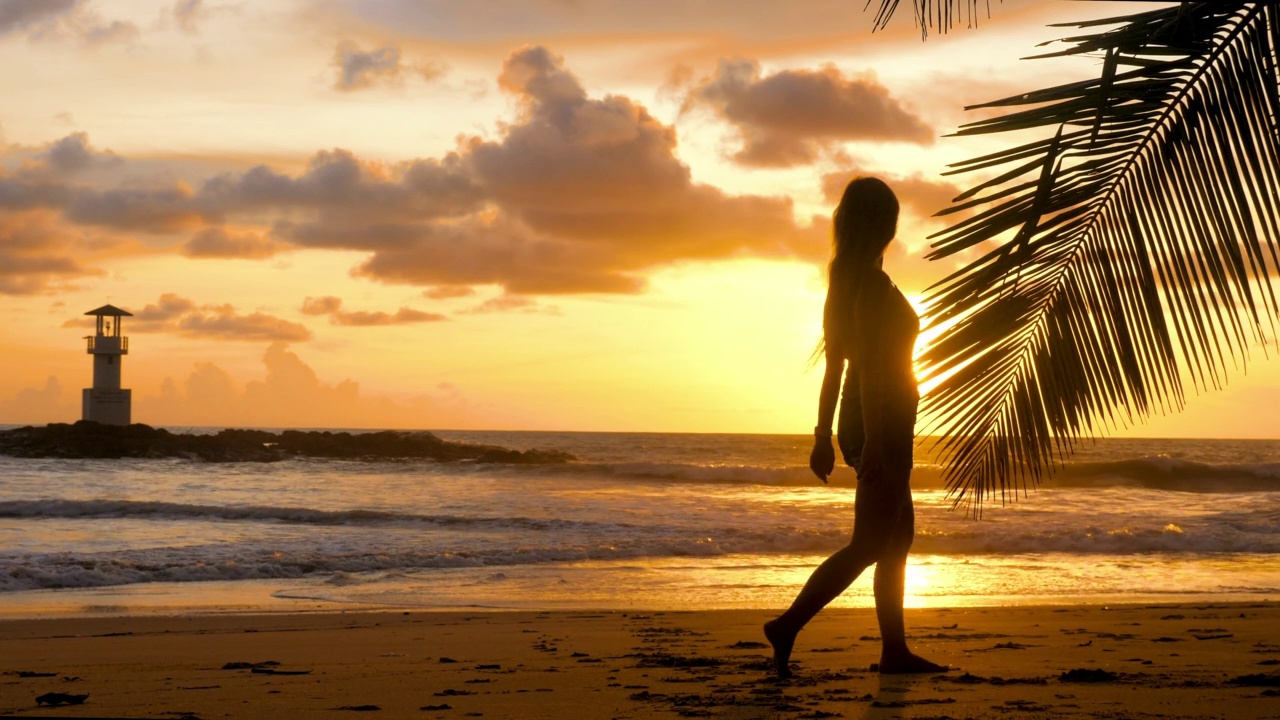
(1141, 661)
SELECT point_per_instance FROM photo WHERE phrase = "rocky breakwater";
(87, 439)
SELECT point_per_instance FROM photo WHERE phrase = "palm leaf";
(939, 14)
(1125, 255)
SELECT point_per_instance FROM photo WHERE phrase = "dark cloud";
(19, 15)
(339, 186)
(332, 306)
(62, 19)
(72, 154)
(358, 69)
(219, 242)
(790, 117)
(143, 209)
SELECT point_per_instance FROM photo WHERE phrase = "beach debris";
(241, 665)
(54, 699)
(669, 660)
(1088, 675)
(441, 706)
(360, 708)
(1256, 680)
(908, 703)
(1214, 637)
(447, 660)
(31, 673)
(1011, 646)
(452, 693)
(273, 671)
(748, 645)
(491, 666)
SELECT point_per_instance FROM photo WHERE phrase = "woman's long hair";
(863, 225)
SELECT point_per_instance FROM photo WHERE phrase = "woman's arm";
(823, 458)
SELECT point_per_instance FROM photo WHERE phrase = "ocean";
(638, 521)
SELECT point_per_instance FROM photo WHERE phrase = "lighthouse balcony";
(108, 345)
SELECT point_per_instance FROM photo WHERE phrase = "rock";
(86, 439)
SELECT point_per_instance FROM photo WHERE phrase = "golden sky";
(545, 214)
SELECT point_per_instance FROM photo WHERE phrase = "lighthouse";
(106, 402)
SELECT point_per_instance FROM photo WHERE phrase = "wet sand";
(1147, 661)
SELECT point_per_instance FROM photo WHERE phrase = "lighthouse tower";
(106, 402)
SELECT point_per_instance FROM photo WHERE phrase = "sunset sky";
(545, 214)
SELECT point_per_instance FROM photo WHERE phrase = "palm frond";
(941, 15)
(1126, 254)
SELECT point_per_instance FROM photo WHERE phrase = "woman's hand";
(823, 458)
(872, 462)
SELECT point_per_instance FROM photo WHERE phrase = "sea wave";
(1154, 472)
(1253, 533)
(98, 509)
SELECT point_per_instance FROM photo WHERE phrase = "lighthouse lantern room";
(106, 402)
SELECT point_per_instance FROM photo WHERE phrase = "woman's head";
(865, 222)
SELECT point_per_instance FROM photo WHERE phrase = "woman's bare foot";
(906, 663)
(782, 642)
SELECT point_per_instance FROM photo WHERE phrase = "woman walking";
(869, 326)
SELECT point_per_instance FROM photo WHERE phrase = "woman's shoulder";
(877, 288)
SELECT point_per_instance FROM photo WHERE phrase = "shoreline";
(1183, 660)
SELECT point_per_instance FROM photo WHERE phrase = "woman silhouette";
(868, 324)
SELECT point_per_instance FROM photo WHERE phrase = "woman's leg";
(832, 577)
(873, 527)
(890, 585)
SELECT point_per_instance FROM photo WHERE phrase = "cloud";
(21, 15)
(792, 116)
(72, 154)
(292, 394)
(578, 195)
(189, 14)
(38, 254)
(321, 306)
(332, 306)
(40, 405)
(177, 315)
(358, 69)
(142, 209)
(219, 242)
(59, 19)
(448, 292)
(222, 322)
(116, 31)
(509, 303)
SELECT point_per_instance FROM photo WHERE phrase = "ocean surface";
(642, 521)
